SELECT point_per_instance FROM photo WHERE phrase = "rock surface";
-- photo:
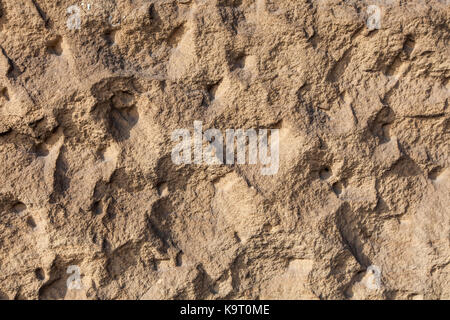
(90, 93)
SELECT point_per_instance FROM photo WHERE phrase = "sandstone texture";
(91, 92)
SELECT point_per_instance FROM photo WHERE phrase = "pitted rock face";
(92, 205)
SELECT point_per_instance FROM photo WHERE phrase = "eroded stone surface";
(91, 92)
